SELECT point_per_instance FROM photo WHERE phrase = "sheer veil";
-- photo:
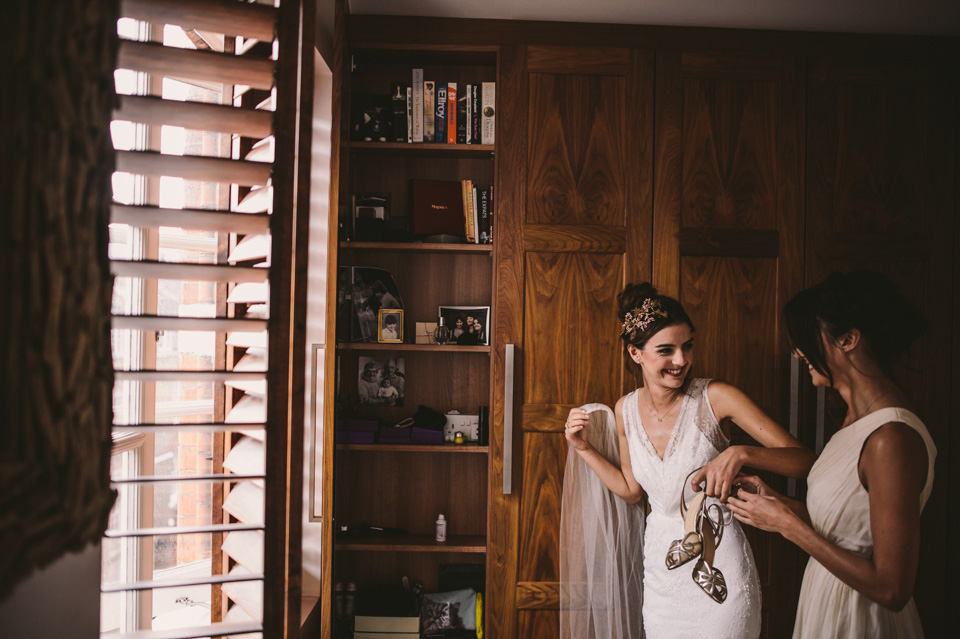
(601, 546)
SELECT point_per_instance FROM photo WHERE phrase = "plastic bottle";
(441, 528)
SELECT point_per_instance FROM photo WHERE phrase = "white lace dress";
(674, 606)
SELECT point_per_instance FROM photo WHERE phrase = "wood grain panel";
(545, 418)
(538, 595)
(564, 60)
(545, 238)
(543, 456)
(538, 624)
(575, 164)
(729, 154)
(571, 336)
(708, 242)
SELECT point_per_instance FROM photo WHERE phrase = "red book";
(451, 113)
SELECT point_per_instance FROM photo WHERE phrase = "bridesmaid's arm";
(779, 451)
(620, 481)
(893, 469)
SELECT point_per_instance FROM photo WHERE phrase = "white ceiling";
(926, 17)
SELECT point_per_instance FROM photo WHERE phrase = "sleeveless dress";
(674, 606)
(839, 509)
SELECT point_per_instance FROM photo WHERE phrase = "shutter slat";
(246, 594)
(189, 167)
(178, 479)
(184, 530)
(194, 115)
(245, 502)
(178, 583)
(191, 64)
(177, 271)
(163, 323)
(228, 17)
(218, 427)
(246, 548)
(222, 221)
(178, 376)
(214, 629)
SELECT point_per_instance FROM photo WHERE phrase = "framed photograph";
(470, 325)
(381, 381)
(370, 290)
(390, 325)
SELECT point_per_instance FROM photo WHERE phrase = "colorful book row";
(428, 111)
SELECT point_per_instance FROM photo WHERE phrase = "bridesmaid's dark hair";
(643, 312)
(866, 300)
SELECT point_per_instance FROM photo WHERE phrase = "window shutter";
(255, 517)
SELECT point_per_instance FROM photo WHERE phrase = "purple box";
(354, 437)
(426, 436)
(391, 435)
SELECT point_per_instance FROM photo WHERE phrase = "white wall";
(61, 601)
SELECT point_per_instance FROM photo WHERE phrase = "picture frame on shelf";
(390, 325)
(381, 381)
(470, 325)
(371, 289)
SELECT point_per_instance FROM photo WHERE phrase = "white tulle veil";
(601, 546)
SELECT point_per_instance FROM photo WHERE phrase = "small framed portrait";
(390, 325)
(381, 381)
(469, 325)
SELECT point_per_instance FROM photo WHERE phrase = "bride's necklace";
(653, 406)
(866, 411)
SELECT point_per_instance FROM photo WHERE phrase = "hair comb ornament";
(637, 320)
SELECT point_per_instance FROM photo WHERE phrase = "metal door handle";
(508, 420)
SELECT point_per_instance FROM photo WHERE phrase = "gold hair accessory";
(638, 319)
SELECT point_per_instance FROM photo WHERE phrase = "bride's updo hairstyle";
(643, 312)
(866, 300)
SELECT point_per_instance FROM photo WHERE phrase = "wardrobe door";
(881, 180)
(574, 162)
(728, 243)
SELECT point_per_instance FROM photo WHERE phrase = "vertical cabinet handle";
(508, 420)
(794, 424)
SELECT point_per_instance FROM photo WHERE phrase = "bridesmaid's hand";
(760, 506)
(719, 474)
(575, 429)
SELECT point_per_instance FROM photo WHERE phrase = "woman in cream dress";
(861, 521)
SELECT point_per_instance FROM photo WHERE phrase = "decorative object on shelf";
(441, 528)
(390, 325)
(381, 381)
(371, 211)
(442, 333)
(469, 324)
(370, 290)
(425, 333)
(372, 120)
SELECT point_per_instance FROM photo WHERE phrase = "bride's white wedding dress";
(674, 606)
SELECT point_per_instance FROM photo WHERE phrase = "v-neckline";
(673, 431)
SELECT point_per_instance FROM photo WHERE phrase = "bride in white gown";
(699, 578)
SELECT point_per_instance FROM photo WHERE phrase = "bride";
(669, 435)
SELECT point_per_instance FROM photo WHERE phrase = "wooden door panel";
(575, 161)
(729, 173)
(543, 454)
(570, 328)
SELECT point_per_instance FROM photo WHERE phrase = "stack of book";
(432, 111)
(370, 627)
(477, 213)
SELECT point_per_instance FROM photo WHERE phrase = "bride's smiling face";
(667, 356)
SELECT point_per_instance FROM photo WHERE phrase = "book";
(409, 114)
(462, 115)
(474, 208)
(484, 215)
(475, 115)
(370, 623)
(398, 100)
(468, 211)
(416, 84)
(468, 115)
(436, 207)
(429, 98)
(490, 232)
(451, 113)
(488, 112)
(440, 114)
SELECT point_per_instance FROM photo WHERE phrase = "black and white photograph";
(381, 381)
(371, 289)
(469, 325)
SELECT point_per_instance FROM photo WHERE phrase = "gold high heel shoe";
(709, 578)
(690, 545)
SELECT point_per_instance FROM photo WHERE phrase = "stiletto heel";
(705, 575)
(683, 550)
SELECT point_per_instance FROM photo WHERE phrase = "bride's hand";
(575, 429)
(719, 474)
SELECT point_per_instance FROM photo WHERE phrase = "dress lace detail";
(673, 604)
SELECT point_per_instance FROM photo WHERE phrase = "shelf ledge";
(416, 543)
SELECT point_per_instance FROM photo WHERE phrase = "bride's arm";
(779, 451)
(620, 481)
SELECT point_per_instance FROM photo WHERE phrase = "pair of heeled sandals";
(702, 534)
